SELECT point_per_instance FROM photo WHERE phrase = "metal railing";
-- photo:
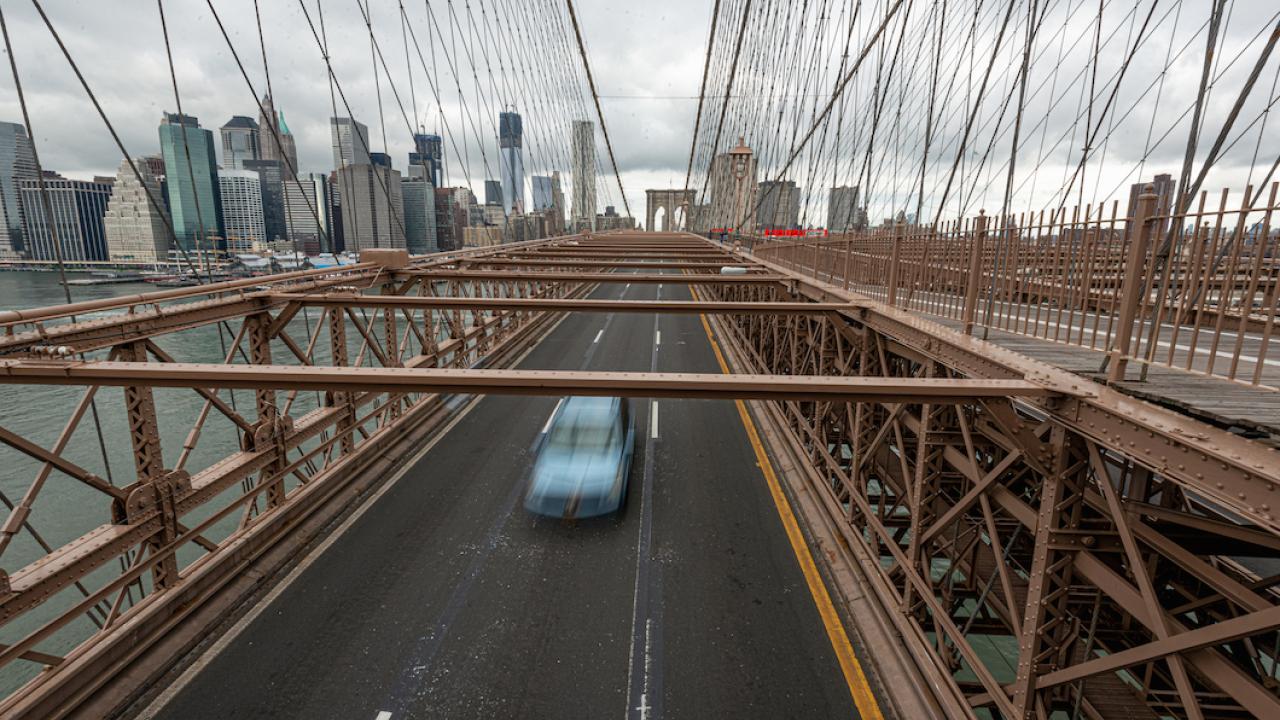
(1195, 290)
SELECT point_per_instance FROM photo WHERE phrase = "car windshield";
(582, 426)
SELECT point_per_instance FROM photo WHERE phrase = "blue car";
(584, 458)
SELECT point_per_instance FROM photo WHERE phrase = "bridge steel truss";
(1084, 553)
(1041, 543)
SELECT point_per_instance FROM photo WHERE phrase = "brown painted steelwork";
(1112, 551)
(297, 450)
(263, 378)
(1103, 542)
(578, 305)
(552, 276)
(713, 266)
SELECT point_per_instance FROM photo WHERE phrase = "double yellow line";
(859, 689)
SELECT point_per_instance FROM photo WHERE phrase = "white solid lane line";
(654, 415)
(644, 707)
(598, 334)
(554, 410)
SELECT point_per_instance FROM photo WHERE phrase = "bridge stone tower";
(670, 201)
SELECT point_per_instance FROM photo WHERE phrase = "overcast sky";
(637, 49)
(647, 58)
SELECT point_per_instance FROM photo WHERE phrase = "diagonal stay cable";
(582, 50)
(844, 82)
(702, 92)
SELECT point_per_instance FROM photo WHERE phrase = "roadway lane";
(742, 636)
(446, 599)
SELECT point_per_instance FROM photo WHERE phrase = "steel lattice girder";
(151, 514)
(362, 273)
(912, 478)
(1238, 473)
(145, 318)
(349, 272)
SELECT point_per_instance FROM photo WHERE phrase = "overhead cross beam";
(647, 278)
(514, 382)
(557, 304)
(522, 261)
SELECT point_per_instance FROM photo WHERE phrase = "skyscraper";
(350, 142)
(242, 209)
(17, 163)
(240, 142)
(78, 207)
(584, 174)
(556, 226)
(271, 177)
(511, 154)
(449, 221)
(1166, 189)
(155, 163)
(283, 149)
(542, 196)
(136, 219)
(427, 160)
(492, 192)
(307, 216)
(842, 206)
(419, 216)
(372, 207)
(192, 173)
(288, 147)
(779, 207)
(337, 241)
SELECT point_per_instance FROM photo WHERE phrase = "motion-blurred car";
(584, 459)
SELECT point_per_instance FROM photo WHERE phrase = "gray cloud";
(647, 51)
(647, 59)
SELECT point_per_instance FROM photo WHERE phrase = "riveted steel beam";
(512, 382)
(558, 304)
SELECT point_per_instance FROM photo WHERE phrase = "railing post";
(895, 259)
(975, 270)
(1134, 286)
(848, 253)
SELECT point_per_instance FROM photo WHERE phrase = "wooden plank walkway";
(1248, 409)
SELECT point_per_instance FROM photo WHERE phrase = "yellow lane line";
(859, 689)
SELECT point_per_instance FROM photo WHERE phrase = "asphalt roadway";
(447, 600)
